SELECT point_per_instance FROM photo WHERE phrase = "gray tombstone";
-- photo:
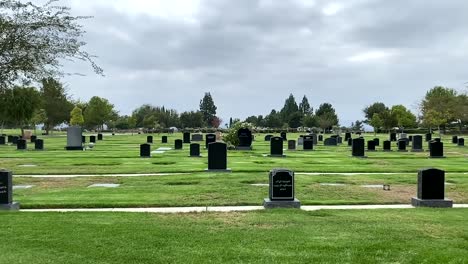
(178, 144)
(217, 157)
(314, 138)
(291, 144)
(358, 148)
(300, 141)
(145, 150)
(281, 190)
(197, 137)
(74, 139)
(276, 147)
(436, 150)
(194, 150)
(431, 189)
(6, 191)
(417, 145)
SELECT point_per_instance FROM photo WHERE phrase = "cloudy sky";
(251, 54)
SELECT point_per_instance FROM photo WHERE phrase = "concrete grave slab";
(104, 185)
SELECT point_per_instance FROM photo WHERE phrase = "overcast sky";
(252, 54)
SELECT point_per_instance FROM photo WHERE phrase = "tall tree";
(55, 103)
(304, 106)
(191, 119)
(21, 104)
(326, 116)
(404, 117)
(76, 117)
(441, 100)
(375, 108)
(376, 122)
(290, 107)
(273, 120)
(36, 38)
(99, 112)
(208, 108)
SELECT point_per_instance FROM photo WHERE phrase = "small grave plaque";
(197, 137)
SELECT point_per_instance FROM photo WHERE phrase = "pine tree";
(77, 118)
(304, 106)
(208, 108)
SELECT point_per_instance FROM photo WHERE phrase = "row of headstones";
(92, 138)
(436, 147)
(145, 149)
(458, 140)
(332, 141)
(22, 144)
(430, 190)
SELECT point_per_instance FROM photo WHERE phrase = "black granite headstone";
(331, 142)
(33, 138)
(431, 184)
(387, 145)
(268, 137)
(308, 143)
(291, 144)
(39, 144)
(393, 136)
(187, 137)
(358, 147)
(276, 147)
(197, 137)
(194, 150)
(6, 187)
(402, 145)
(209, 138)
(339, 140)
(217, 156)
(15, 139)
(428, 137)
(83, 139)
(350, 142)
(245, 138)
(436, 150)
(314, 138)
(145, 150)
(178, 144)
(164, 139)
(100, 136)
(377, 141)
(320, 138)
(371, 145)
(281, 185)
(2, 140)
(455, 139)
(149, 139)
(461, 142)
(347, 136)
(10, 139)
(284, 136)
(92, 139)
(417, 145)
(21, 145)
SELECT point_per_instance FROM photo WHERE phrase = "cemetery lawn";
(274, 236)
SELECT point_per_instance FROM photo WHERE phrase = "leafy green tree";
(273, 120)
(290, 107)
(389, 120)
(208, 108)
(21, 104)
(39, 117)
(99, 112)
(304, 106)
(310, 121)
(439, 104)
(357, 126)
(231, 136)
(76, 117)
(404, 117)
(375, 108)
(326, 116)
(295, 119)
(376, 122)
(35, 39)
(192, 119)
(55, 103)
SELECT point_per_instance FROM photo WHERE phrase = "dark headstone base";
(145, 157)
(277, 156)
(74, 148)
(199, 156)
(387, 150)
(228, 170)
(416, 202)
(243, 148)
(438, 157)
(269, 204)
(359, 157)
(15, 206)
(371, 150)
(403, 150)
(417, 150)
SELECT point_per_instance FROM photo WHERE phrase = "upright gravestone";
(431, 189)
(15, 140)
(402, 145)
(245, 139)
(39, 144)
(33, 138)
(314, 139)
(436, 150)
(74, 139)
(83, 139)
(461, 142)
(339, 140)
(268, 137)
(371, 145)
(145, 150)
(276, 147)
(6, 191)
(197, 137)
(350, 142)
(194, 150)
(186, 137)
(387, 145)
(2, 140)
(281, 190)
(417, 145)
(217, 157)
(308, 143)
(149, 139)
(10, 139)
(291, 144)
(455, 139)
(284, 136)
(330, 142)
(178, 144)
(347, 136)
(100, 136)
(164, 139)
(209, 138)
(22, 144)
(320, 138)
(358, 148)
(92, 139)
(377, 141)
(300, 141)
(428, 137)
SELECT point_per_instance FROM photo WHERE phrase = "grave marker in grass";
(431, 189)
(281, 190)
